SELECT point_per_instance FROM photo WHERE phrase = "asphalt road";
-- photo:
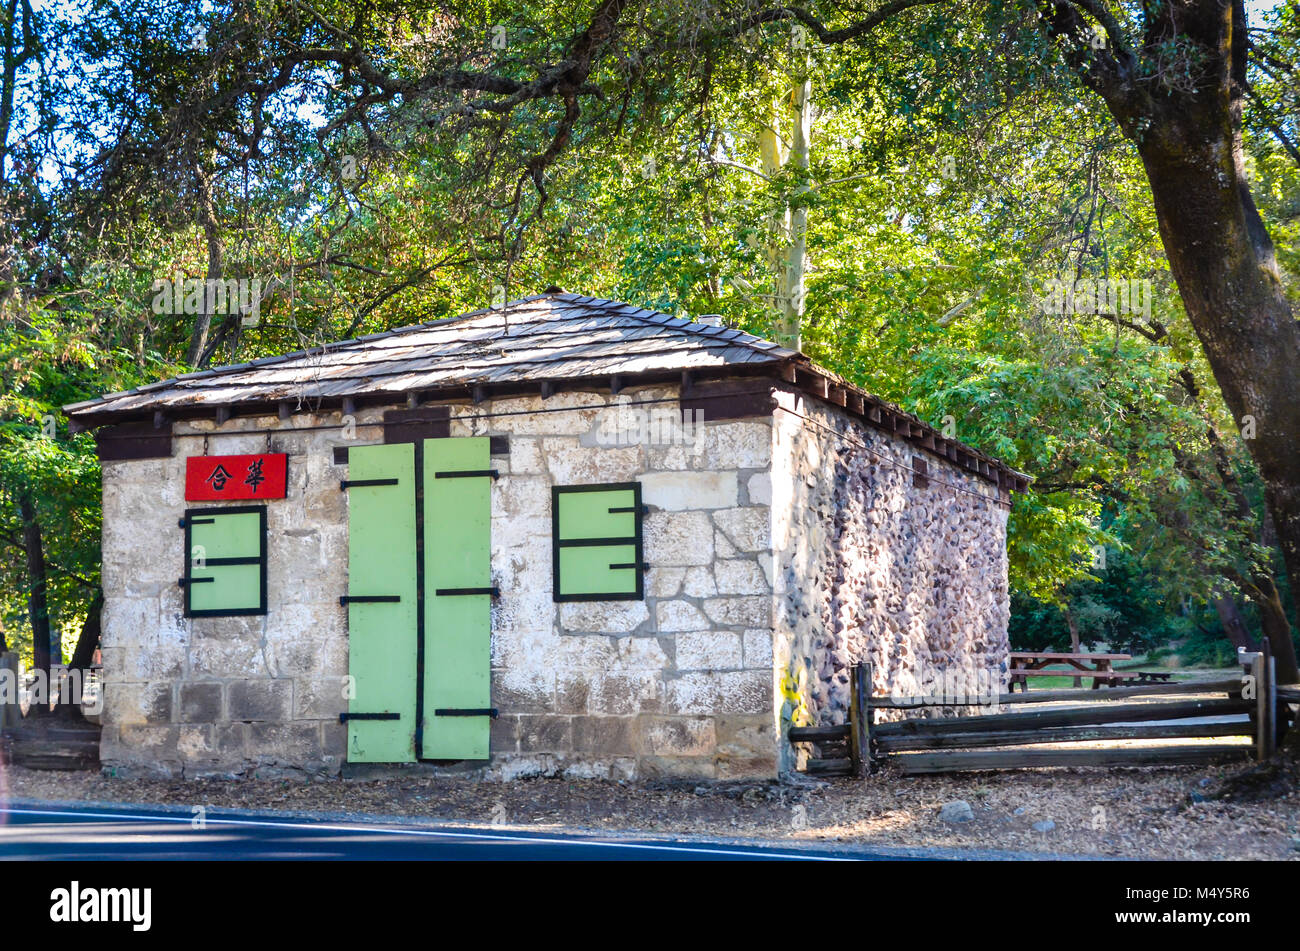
(75, 833)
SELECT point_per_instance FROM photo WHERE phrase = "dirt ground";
(1157, 813)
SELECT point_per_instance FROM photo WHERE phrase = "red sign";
(218, 478)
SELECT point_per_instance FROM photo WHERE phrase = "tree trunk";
(788, 242)
(1234, 628)
(794, 291)
(1222, 259)
(199, 354)
(38, 610)
(1219, 251)
(84, 653)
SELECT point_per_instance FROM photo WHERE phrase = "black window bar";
(345, 717)
(346, 484)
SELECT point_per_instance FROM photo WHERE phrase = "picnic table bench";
(1154, 676)
(1026, 664)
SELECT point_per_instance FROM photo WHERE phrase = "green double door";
(419, 600)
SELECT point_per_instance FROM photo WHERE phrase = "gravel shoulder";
(1155, 813)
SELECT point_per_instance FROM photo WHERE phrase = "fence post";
(868, 713)
(855, 720)
(859, 697)
(1269, 693)
(10, 688)
(1262, 670)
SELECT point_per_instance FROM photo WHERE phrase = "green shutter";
(382, 638)
(225, 570)
(597, 542)
(457, 605)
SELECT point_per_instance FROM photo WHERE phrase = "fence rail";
(929, 745)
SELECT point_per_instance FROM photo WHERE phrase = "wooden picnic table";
(1096, 666)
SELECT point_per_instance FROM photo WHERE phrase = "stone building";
(570, 536)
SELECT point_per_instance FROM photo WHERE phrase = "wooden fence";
(931, 745)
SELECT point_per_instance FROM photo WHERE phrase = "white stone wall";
(870, 568)
(224, 695)
(677, 684)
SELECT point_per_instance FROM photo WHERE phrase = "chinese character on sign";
(219, 478)
(262, 475)
(255, 477)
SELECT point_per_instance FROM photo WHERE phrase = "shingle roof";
(554, 336)
(548, 337)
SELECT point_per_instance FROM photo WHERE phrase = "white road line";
(431, 833)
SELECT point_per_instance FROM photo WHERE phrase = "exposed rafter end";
(549, 389)
(159, 419)
(284, 410)
(349, 406)
(222, 415)
(616, 384)
(480, 393)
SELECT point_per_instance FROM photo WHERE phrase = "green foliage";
(1121, 606)
(950, 177)
(1206, 647)
(46, 361)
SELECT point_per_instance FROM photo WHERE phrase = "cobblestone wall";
(870, 567)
